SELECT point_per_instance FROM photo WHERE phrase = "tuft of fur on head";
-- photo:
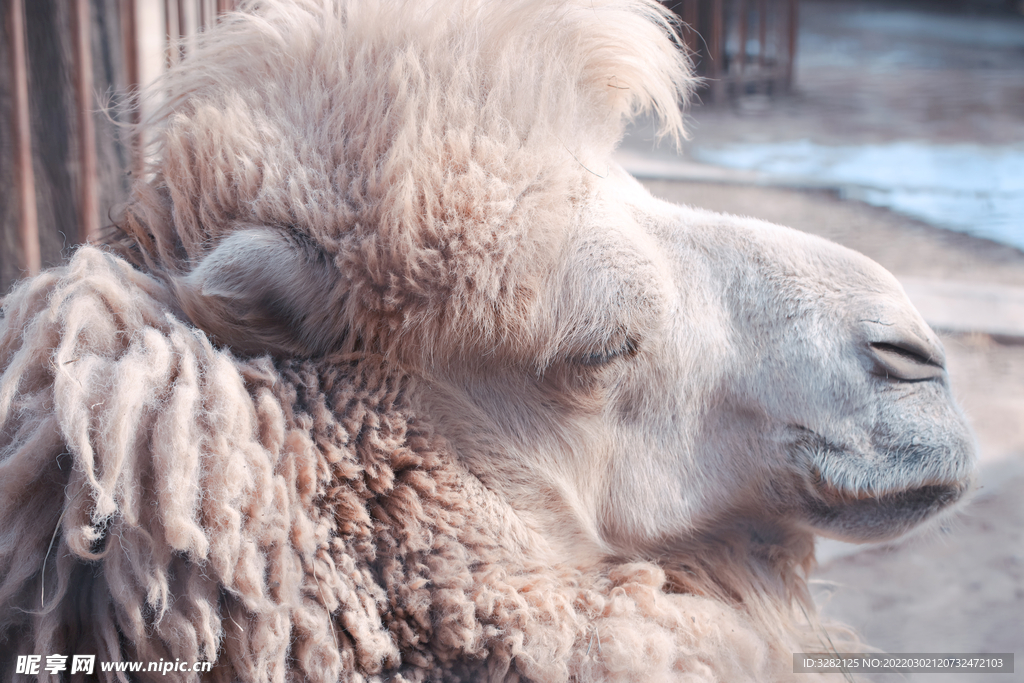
(423, 161)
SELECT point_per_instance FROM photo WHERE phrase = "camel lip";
(834, 476)
(942, 493)
(881, 517)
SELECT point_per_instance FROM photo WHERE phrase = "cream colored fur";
(390, 373)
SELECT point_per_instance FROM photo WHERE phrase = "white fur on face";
(697, 372)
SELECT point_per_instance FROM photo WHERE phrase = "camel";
(390, 373)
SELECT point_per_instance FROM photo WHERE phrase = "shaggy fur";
(391, 374)
(291, 520)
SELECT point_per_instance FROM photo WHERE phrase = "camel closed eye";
(604, 356)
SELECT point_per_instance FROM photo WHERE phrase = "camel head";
(685, 373)
(629, 375)
(702, 371)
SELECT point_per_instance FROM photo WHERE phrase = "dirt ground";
(943, 73)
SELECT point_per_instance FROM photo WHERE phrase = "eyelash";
(629, 349)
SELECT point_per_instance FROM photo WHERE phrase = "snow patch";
(968, 188)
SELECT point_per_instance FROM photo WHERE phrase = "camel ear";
(262, 290)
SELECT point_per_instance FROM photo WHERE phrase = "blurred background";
(894, 127)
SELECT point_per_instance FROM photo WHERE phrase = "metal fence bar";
(28, 222)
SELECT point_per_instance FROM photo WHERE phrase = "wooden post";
(716, 50)
(172, 18)
(28, 220)
(691, 36)
(130, 38)
(183, 28)
(88, 205)
(205, 15)
(130, 45)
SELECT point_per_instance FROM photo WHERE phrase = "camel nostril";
(906, 361)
